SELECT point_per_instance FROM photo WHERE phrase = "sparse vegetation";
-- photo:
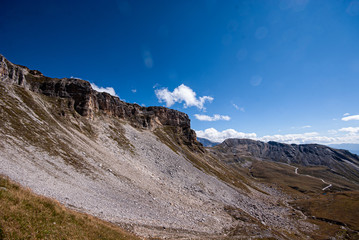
(117, 133)
(336, 213)
(24, 215)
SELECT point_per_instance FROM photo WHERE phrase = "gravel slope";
(128, 176)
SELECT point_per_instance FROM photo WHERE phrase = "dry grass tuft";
(25, 215)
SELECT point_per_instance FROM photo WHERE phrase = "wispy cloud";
(346, 114)
(237, 107)
(350, 118)
(109, 90)
(302, 127)
(299, 138)
(332, 131)
(182, 94)
(76, 77)
(134, 90)
(147, 59)
(215, 117)
(351, 136)
(256, 80)
(219, 136)
(350, 130)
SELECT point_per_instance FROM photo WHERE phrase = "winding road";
(296, 172)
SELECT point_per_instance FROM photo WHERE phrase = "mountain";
(207, 143)
(143, 169)
(341, 162)
(352, 147)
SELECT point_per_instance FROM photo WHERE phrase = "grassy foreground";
(25, 215)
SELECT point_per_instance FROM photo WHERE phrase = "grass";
(44, 133)
(284, 176)
(25, 215)
(337, 214)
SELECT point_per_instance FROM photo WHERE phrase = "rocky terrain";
(142, 167)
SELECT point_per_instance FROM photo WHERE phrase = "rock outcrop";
(87, 102)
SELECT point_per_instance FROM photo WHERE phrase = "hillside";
(25, 215)
(143, 169)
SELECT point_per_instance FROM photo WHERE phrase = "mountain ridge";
(341, 161)
(142, 168)
(87, 101)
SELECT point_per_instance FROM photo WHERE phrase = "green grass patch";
(25, 215)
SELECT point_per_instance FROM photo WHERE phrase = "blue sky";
(271, 70)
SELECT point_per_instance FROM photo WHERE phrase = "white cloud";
(346, 114)
(216, 136)
(349, 118)
(147, 59)
(182, 94)
(134, 90)
(109, 90)
(311, 137)
(332, 131)
(76, 78)
(302, 127)
(350, 130)
(215, 117)
(237, 107)
(299, 138)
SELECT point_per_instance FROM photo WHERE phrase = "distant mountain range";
(207, 143)
(351, 147)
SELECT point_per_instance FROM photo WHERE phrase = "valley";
(142, 168)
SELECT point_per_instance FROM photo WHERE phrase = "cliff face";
(88, 102)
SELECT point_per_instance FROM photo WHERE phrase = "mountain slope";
(25, 215)
(141, 168)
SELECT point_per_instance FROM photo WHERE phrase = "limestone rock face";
(12, 73)
(87, 102)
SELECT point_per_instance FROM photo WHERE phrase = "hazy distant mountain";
(352, 147)
(206, 142)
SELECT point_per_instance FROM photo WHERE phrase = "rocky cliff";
(87, 102)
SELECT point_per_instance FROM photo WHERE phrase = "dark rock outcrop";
(87, 102)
